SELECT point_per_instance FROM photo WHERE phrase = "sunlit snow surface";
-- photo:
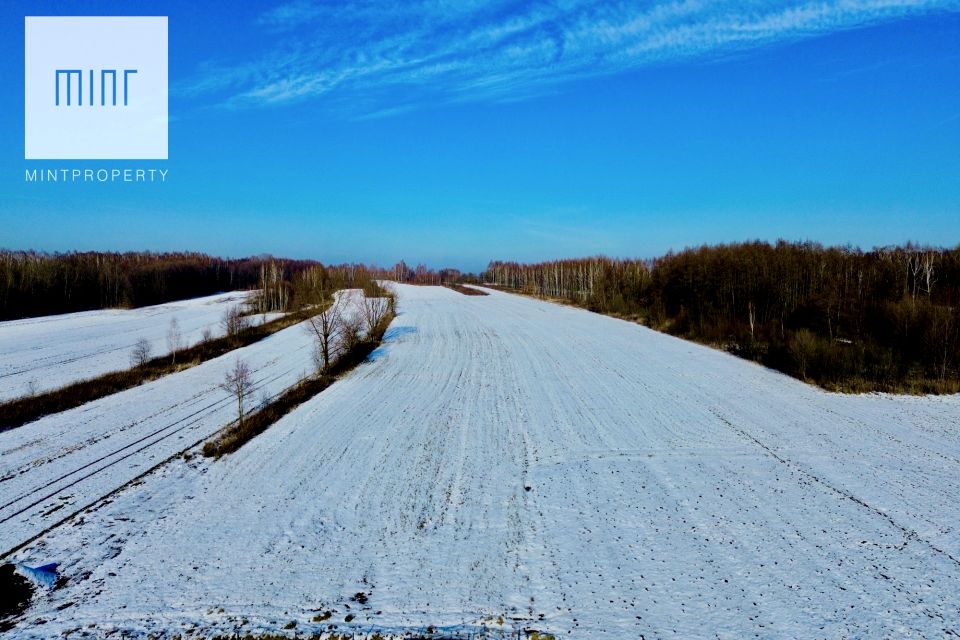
(39, 354)
(59, 464)
(503, 459)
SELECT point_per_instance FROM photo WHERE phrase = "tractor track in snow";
(181, 425)
(49, 468)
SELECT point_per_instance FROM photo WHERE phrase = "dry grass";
(467, 291)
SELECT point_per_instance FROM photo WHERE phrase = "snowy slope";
(513, 464)
(39, 354)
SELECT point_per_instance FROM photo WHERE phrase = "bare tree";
(234, 321)
(943, 337)
(928, 263)
(274, 294)
(238, 382)
(376, 308)
(141, 353)
(352, 333)
(206, 335)
(802, 346)
(327, 328)
(174, 339)
(915, 263)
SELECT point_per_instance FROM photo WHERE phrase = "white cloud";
(360, 52)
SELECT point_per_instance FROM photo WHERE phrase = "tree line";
(307, 291)
(885, 319)
(35, 283)
(401, 272)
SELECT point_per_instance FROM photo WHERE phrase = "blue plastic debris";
(44, 575)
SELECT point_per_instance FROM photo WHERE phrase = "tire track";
(197, 415)
(60, 490)
(909, 534)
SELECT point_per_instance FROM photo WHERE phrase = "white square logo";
(95, 88)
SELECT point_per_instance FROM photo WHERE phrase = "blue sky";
(456, 132)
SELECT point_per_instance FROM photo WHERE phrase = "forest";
(35, 284)
(880, 320)
(887, 319)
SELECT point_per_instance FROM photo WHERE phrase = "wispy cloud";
(376, 58)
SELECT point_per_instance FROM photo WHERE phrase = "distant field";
(509, 464)
(39, 354)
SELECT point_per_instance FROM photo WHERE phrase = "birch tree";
(234, 321)
(238, 382)
(141, 353)
(174, 339)
(375, 309)
(327, 328)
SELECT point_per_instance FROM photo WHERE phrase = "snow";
(504, 463)
(57, 465)
(39, 354)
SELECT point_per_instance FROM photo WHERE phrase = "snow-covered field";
(39, 354)
(505, 463)
(61, 463)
